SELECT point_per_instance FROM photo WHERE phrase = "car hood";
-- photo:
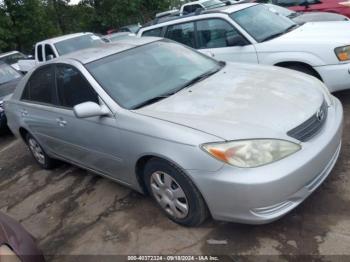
(336, 31)
(243, 101)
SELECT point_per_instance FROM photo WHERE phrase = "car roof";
(88, 55)
(62, 38)
(224, 9)
(8, 53)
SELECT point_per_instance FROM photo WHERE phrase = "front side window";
(49, 53)
(182, 33)
(41, 86)
(149, 72)
(73, 88)
(213, 33)
(153, 32)
(77, 43)
(261, 23)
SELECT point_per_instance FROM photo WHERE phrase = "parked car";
(252, 33)
(191, 7)
(331, 6)
(12, 58)
(130, 28)
(245, 143)
(117, 36)
(55, 47)
(301, 17)
(16, 244)
(9, 78)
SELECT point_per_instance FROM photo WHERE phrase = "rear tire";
(40, 156)
(175, 193)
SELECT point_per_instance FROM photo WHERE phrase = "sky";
(74, 2)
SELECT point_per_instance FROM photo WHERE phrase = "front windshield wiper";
(189, 83)
(290, 28)
(151, 101)
(201, 77)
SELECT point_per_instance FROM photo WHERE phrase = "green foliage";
(25, 22)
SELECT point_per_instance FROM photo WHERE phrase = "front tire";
(175, 193)
(39, 154)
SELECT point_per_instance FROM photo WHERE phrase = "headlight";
(251, 153)
(343, 53)
(1, 106)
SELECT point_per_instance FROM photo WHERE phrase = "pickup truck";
(58, 46)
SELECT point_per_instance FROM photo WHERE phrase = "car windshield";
(77, 43)
(212, 4)
(261, 23)
(280, 10)
(150, 72)
(13, 58)
(8, 74)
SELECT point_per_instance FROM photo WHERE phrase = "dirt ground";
(71, 211)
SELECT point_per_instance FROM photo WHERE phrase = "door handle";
(61, 122)
(24, 112)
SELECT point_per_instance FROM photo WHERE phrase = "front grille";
(312, 126)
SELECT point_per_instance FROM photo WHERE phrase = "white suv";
(252, 33)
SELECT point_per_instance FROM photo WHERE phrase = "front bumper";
(264, 194)
(335, 77)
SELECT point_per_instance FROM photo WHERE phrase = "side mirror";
(90, 109)
(49, 57)
(236, 40)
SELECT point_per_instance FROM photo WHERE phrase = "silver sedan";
(238, 142)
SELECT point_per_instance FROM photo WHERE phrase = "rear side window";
(212, 33)
(40, 53)
(41, 86)
(182, 33)
(153, 32)
(73, 88)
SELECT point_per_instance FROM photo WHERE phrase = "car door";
(213, 35)
(38, 107)
(91, 142)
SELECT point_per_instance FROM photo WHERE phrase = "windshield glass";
(13, 58)
(77, 43)
(261, 23)
(212, 3)
(280, 10)
(7, 73)
(158, 69)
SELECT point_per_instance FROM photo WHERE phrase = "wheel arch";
(287, 64)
